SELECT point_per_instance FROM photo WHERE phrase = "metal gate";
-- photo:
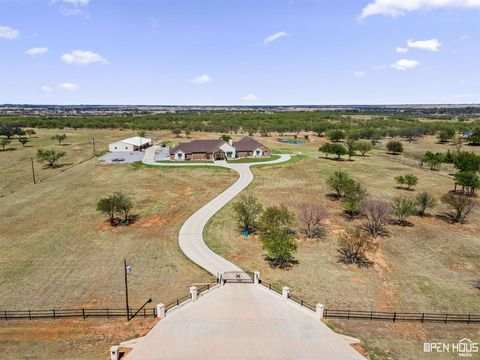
(236, 277)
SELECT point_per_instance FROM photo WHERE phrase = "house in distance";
(135, 143)
(219, 150)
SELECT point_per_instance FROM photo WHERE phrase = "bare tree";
(353, 246)
(461, 205)
(376, 215)
(312, 218)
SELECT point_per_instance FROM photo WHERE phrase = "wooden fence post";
(394, 316)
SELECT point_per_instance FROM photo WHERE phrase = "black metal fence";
(73, 313)
(85, 313)
(383, 316)
(401, 316)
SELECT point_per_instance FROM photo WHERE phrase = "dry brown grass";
(429, 266)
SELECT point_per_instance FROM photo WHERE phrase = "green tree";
(400, 179)
(394, 147)
(23, 141)
(280, 247)
(445, 135)
(108, 206)
(411, 181)
(4, 142)
(351, 149)
(363, 146)
(434, 160)
(424, 201)
(354, 195)
(353, 246)
(402, 209)
(248, 210)
(467, 161)
(468, 180)
(10, 130)
(50, 156)
(339, 181)
(123, 204)
(475, 137)
(276, 217)
(338, 150)
(336, 135)
(59, 138)
(177, 132)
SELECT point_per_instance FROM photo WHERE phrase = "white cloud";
(83, 57)
(430, 45)
(402, 50)
(249, 97)
(405, 64)
(274, 37)
(68, 87)
(401, 7)
(202, 79)
(359, 73)
(379, 67)
(6, 32)
(36, 51)
(72, 11)
(45, 88)
(73, 2)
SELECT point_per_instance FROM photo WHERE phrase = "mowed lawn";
(429, 266)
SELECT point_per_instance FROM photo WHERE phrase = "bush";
(353, 246)
(49, 156)
(280, 247)
(312, 218)
(376, 215)
(469, 181)
(402, 209)
(461, 205)
(339, 181)
(276, 217)
(467, 161)
(354, 195)
(433, 160)
(363, 146)
(116, 203)
(424, 201)
(394, 147)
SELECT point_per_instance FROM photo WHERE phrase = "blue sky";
(247, 52)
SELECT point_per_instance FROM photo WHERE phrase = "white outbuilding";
(135, 143)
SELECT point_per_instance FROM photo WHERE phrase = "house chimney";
(230, 142)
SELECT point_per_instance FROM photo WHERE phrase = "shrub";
(394, 147)
(467, 161)
(49, 156)
(411, 181)
(402, 209)
(4, 142)
(276, 217)
(280, 247)
(248, 210)
(339, 182)
(363, 146)
(376, 215)
(461, 205)
(312, 218)
(468, 180)
(433, 160)
(353, 246)
(400, 179)
(59, 138)
(424, 201)
(354, 195)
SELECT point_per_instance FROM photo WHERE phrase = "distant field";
(427, 267)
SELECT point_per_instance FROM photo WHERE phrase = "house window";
(229, 154)
(249, 153)
(179, 155)
(258, 152)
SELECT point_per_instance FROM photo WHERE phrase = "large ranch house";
(219, 150)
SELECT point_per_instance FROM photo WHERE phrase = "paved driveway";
(191, 234)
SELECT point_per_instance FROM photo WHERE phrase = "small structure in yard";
(219, 150)
(135, 143)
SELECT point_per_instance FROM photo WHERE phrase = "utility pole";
(33, 172)
(126, 288)
(93, 144)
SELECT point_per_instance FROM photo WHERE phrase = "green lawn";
(253, 160)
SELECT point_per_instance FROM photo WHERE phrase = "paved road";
(191, 234)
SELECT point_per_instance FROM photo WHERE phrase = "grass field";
(57, 251)
(429, 266)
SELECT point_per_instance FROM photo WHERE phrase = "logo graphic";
(464, 348)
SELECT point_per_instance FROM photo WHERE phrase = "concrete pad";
(243, 321)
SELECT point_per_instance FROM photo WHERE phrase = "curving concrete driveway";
(191, 234)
